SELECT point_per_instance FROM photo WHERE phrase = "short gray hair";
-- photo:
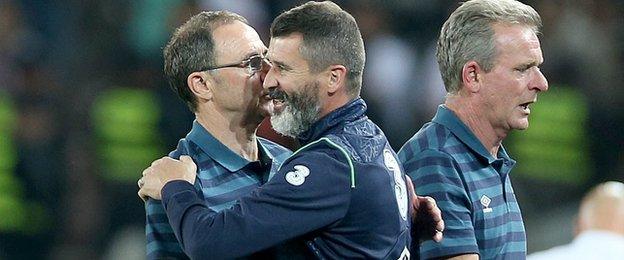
(330, 36)
(468, 35)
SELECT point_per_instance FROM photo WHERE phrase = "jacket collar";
(349, 112)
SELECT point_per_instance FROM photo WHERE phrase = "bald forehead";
(606, 199)
(236, 41)
(610, 190)
(514, 34)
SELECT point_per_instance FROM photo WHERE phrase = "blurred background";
(84, 108)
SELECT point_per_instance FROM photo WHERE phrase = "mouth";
(277, 96)
(526, 106)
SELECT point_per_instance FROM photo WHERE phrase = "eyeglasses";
(253, 64)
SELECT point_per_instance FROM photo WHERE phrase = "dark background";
(84, 108)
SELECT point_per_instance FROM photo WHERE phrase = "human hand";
(161, 172)
(427, 220)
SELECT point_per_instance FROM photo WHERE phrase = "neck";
(235, 132)
(334, 103)
(471, 115)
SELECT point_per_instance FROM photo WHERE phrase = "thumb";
(412, 192)
(188, 161)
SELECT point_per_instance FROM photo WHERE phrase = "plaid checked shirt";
(222, 177)
(472, 188)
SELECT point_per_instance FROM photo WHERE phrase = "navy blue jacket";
(342, 194)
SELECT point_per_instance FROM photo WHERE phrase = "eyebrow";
(531, 64)
(279, 63)
(254, 53)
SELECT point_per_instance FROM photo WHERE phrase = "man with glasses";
(343, 193)
(216, 65)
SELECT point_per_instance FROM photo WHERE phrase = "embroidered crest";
(297, 177)
(485, 201)
(400, 189)
(405, 255)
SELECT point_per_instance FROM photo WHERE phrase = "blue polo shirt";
(343, 194)
(472, 188)
(223, 177)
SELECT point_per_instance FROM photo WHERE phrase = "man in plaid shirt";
(215, 62)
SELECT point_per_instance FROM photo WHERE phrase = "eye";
(523, 68)
(255, 63)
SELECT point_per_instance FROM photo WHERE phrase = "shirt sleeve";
(161, 242)
(310, 191)
(434, 173)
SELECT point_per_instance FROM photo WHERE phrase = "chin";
(520, 125)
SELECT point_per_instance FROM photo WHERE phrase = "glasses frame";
(245, 64)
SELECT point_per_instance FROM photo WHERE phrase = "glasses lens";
(255, 63)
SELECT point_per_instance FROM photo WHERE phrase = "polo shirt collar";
(215, 149)
(447, 118)
(264, 154)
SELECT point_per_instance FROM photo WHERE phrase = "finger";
(145, 171)
(440, 226)
(438, 236)
(140, 183)
(431, 202)
(410, 185)
(186, 159)
(189, 162)
(159, 161)
(142, 195)
(436, 213)
(412, 193)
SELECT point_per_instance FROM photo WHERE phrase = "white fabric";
(591, 244)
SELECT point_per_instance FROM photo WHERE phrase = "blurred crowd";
(84, 108)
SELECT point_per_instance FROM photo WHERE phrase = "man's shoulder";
(187, 147)
(183, 148)
(431, 137)
(363, 140)
(323, 145)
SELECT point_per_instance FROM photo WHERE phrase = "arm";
(161, 242)
(311, 190)
(434, 174)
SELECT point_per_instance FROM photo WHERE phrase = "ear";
(337, 78)
(471, 76)
(200, 85)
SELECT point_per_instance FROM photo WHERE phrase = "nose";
(269, 78)
(265, 67)
(539, 81)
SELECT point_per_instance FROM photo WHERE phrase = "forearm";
(232, 233)
(191, 220)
